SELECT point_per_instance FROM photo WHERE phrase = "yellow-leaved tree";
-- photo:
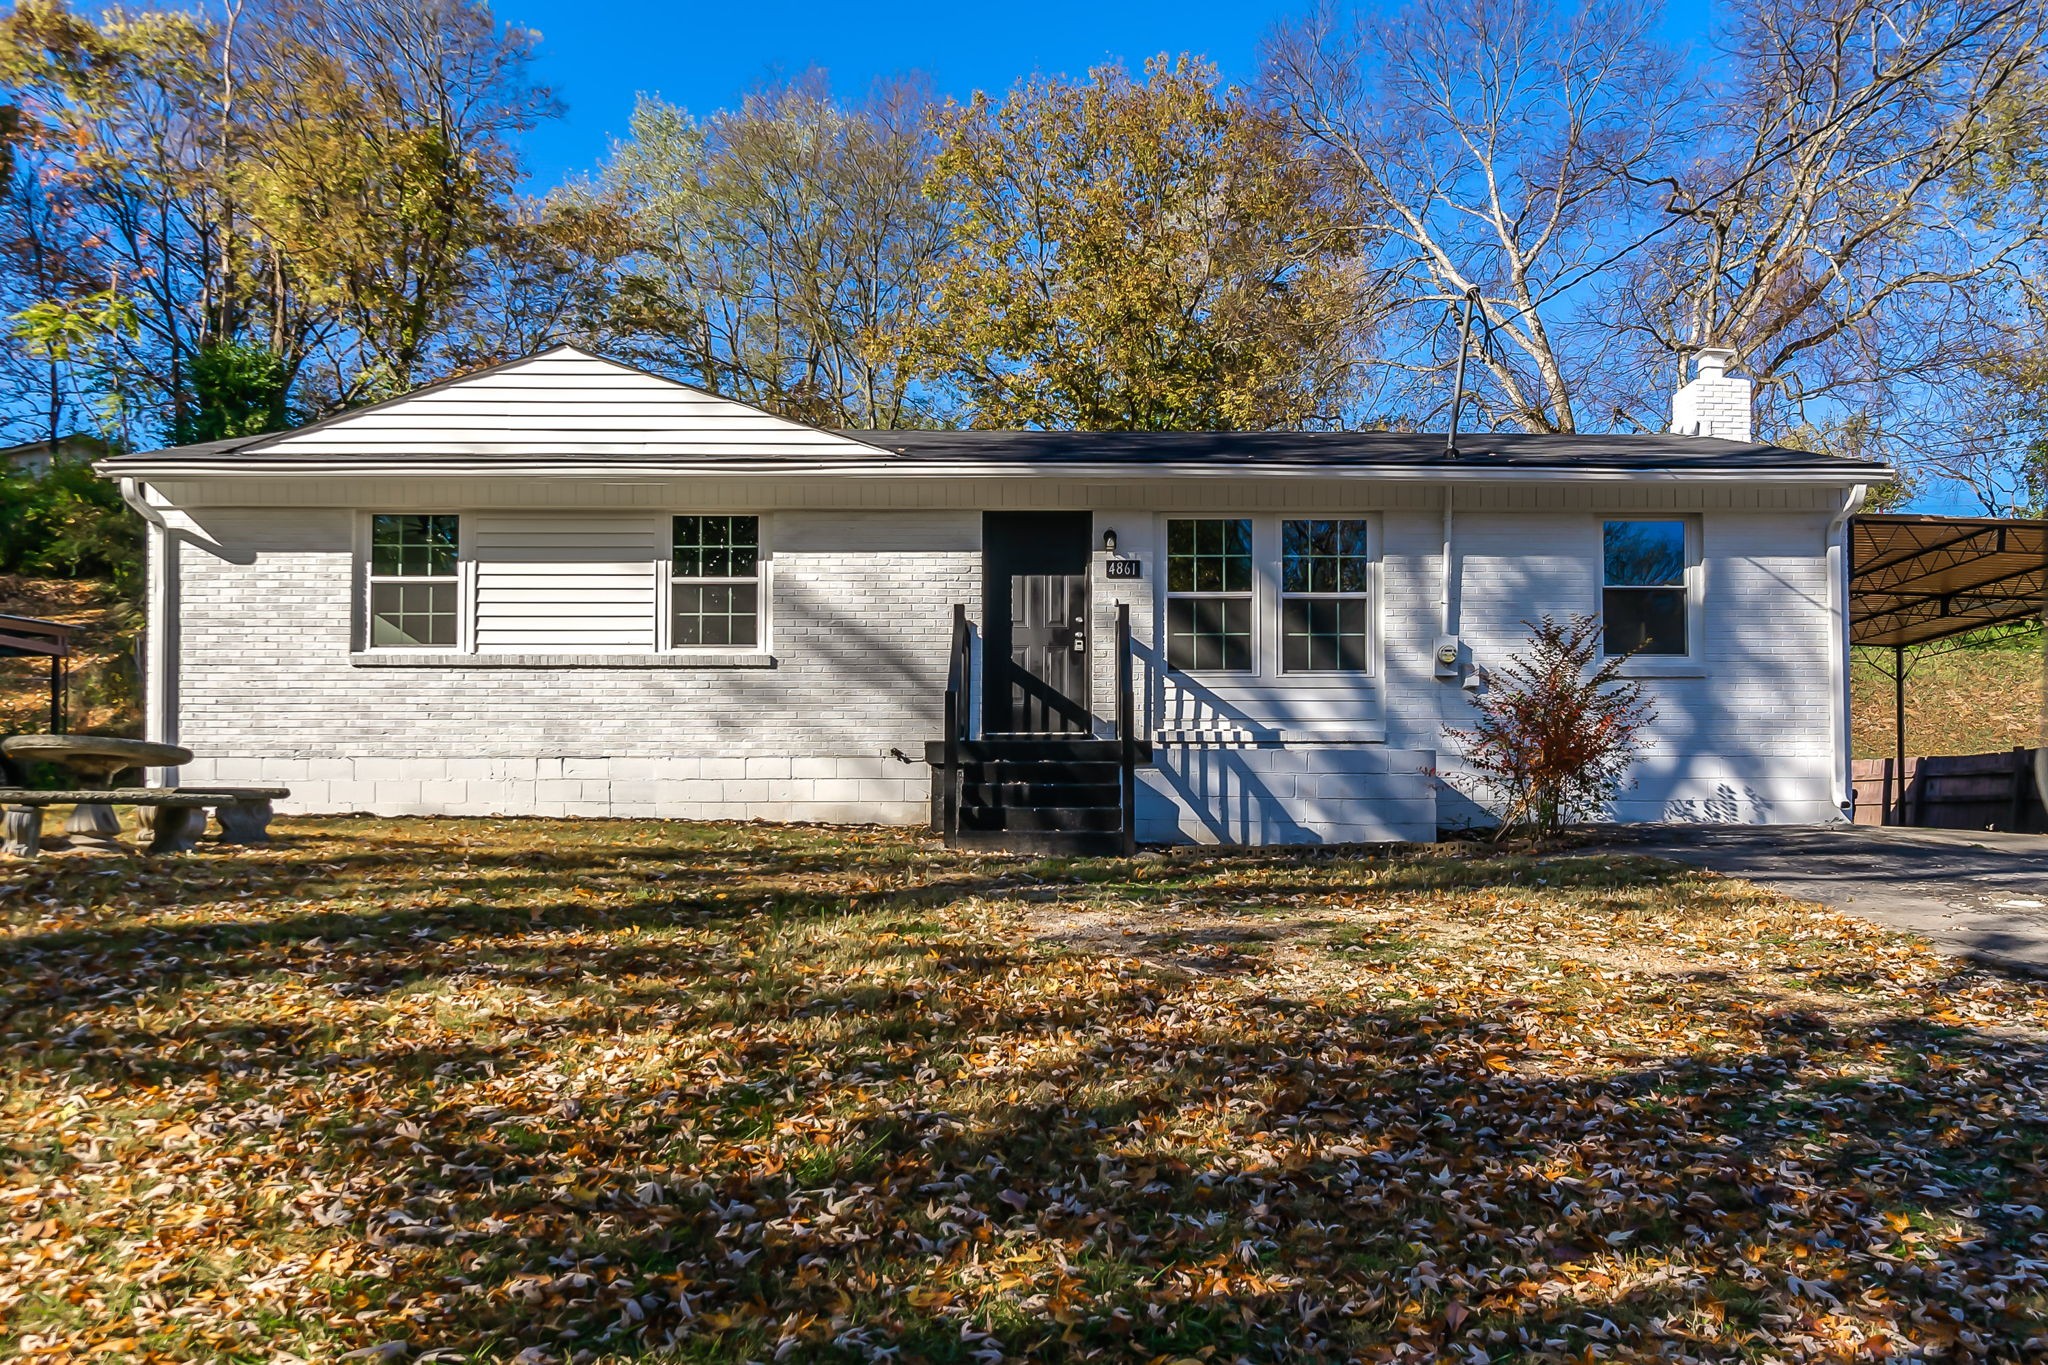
(1142, 254)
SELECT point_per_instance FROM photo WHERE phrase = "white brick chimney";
(1715, 403)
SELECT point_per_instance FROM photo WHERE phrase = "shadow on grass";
(745, 1093)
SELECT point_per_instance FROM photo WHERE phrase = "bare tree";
(549, 278)
(1848, 195)
(40, 259)
(1499, 146)
(1842, 233)
(785, 252)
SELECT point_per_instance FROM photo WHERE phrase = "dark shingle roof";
(1507, 450)
(198, 450)
(492, 419)
(1252, 451)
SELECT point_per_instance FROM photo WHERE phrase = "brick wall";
(1286, 794)
(861, 613)
(1743, 731)
(1714, 403)
(862, 603)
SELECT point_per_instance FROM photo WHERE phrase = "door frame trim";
(996, 704)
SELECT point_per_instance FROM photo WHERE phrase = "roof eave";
(246, 466)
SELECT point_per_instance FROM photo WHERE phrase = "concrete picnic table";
(97, 760)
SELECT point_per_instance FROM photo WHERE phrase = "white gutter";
(133, 494)
(160, 625)
(1838, 646)
(501, 466)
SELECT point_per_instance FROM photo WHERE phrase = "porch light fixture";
(1109, 542)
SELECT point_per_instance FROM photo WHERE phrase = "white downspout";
(1445, 625)
(160, 625)
(1838, 647)
(1444, 654)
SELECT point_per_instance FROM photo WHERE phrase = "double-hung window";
(1643, 603)
(1324, 610)
(1209, 594)
(415, 582)
(715, 583)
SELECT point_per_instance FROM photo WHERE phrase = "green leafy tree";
(239, 388)
(1142, 254)
(2010, 471)
(387, 160)
(553, 277)
(74, 329)
(68, 522)
(76, 334)
(2003, 461)
(317, 182)
(121, 126)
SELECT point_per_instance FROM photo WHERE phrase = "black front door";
(1035, 606)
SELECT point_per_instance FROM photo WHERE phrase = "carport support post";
(1899, 725)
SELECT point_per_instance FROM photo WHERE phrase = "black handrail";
(959, 718)
(1127, 739)
(963, 648)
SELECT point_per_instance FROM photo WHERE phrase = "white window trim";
(1254, 595)
(1281, 596)
(363, 628)
(1692, 663)
(665, 583)
(464, 653)
(1266, 594)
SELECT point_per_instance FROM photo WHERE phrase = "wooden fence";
(1966, 791)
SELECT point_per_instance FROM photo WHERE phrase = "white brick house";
(564, 586)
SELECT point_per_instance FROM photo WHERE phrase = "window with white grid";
(415, 583)
(715, 583)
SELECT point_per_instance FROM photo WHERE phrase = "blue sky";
(600, 55)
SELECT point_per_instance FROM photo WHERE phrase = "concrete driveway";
(1974, 894)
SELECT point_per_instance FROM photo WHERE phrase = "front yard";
(605, 1091)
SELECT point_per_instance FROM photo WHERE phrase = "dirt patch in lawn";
(1326, 943)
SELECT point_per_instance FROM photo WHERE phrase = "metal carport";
(1916, 580)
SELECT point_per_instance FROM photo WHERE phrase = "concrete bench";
(165, 814)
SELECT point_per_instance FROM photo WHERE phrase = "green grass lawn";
(1976, 700)
(575, 1092)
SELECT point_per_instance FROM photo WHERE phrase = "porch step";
(1009, 772)
(1043, 819)
(1031, 791)
(1065, 844)
(1047, 794)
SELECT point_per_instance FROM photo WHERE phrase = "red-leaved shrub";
(1557, 728)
